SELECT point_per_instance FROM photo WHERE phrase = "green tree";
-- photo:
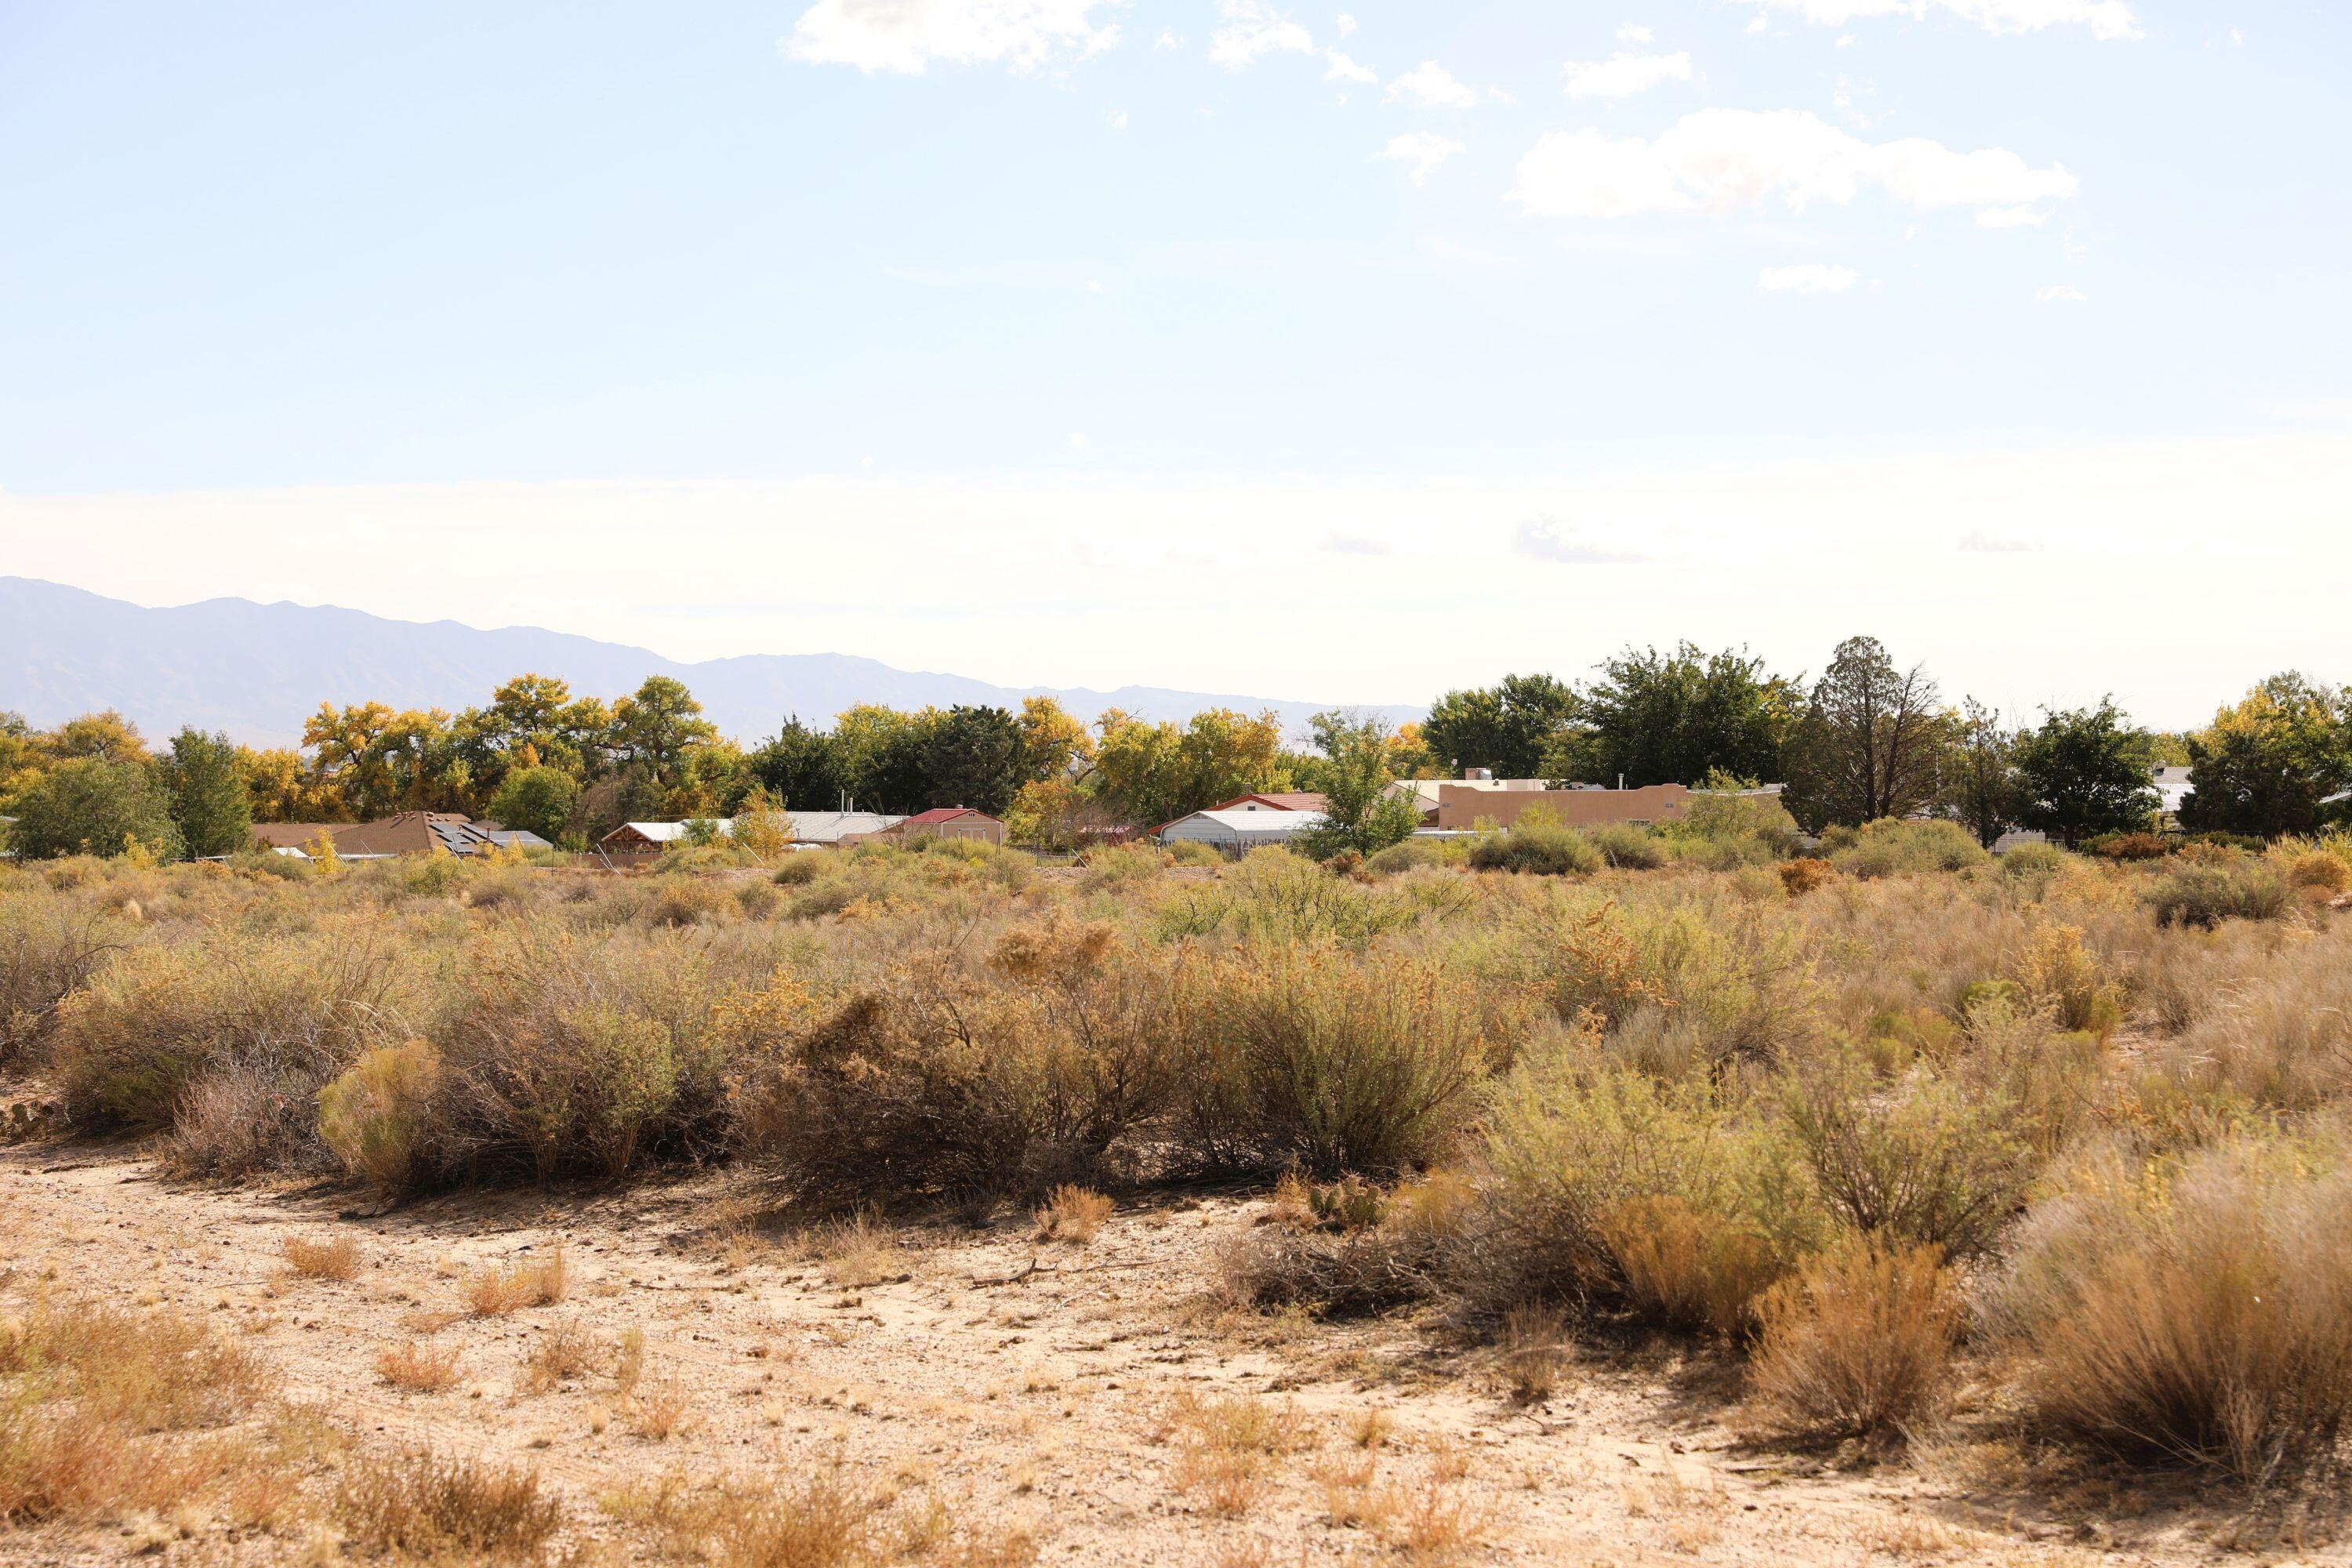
(1150, 774)
(800, 767)
(657, 727)
(1356, 815)
(94, 805)
(1981, 786)
(1508, 728)
(536, 800)
(974, 757)
(211, 805)
(1674, 717)
(881, 752)
(2084, 772)
(2271, 763)
(1867, 744)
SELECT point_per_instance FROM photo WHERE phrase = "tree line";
(1868, 739)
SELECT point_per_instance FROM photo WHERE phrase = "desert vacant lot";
(1631, 1200)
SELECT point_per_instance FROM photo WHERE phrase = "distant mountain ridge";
(258, 671)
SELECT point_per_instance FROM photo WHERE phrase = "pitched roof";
(946, 814)
(832, 826)
(1256, 824)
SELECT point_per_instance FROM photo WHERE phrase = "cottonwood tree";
(1676, 717)
(94, 805)
(1358, 814)
(1868, 742)
(1508, 728)
(211, 805)
(2272, 763)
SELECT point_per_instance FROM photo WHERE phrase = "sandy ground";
(1047, 1400)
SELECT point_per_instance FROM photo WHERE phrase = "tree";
(108, 735)
(1866, 745)
(1053, 742)
(20, 755)
(1659, 717)
(1357, 814)
(2271, 763)
(800, 767)
(881, 756)
(1150, 774)
(1507, 728)
(974, 757)
(657, 727)
(94, 805)
(1980, 787)
(211, 805)
(2084, 772)
(536, 800)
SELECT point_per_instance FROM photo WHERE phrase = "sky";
(1350, 353)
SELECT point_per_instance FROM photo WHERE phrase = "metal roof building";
(1235, 831)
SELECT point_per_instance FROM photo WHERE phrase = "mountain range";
(256, 671)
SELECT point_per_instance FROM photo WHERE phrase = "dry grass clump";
(2205, 1318)
(1226, 1445)
(2204, 894)
(1689, 1268)
(97, 1409)
(338, 1258)
(1857, 1344)
(494, 1292)
(1072, 1214)
(1533, 1352)
(418, 1368)
(860, 1251)
(421, 1505)
(563, 1352)
(659, 1409)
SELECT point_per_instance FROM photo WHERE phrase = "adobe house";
(948, 822)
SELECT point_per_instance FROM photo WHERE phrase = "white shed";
(1236, 832)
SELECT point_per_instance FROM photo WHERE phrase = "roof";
(1255, 824)
(293, 834)
(1277, 800)
(513, 837)
(832, 826)
(946, 814)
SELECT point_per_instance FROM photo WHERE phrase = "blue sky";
(1479, 326)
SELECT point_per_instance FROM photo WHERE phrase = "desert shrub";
(2028, 862)
(1857, 1344)
(1926, 1160)
(292, 1010)
(1889, 849)
(1628, 847)
(1122, 865)
(1414, 854)
(2203, 895)
(1805, 873)
(1536, 845)
(798, 869)
(1275, 896)
(1184, 853)
(941, 1078)
(240, 1119)
(420, 1504)
(2131, 846)
(1355, 1274)
(1072, 1213)
(2320, 871)
(2280, 1034)
(2206, 1317)
(1303, 1053)
(1600, 1181)
(376, 1116)
(48, 950)
(686, 900)
(2057, 972)
(1682, 986)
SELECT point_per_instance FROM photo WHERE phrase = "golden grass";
(419, 1369)
(494, 1292)
(417, 1504)
(1534, 1353)
(860, 1252)
(338, 1258)
(1858, 1344)
(563, 1352)
(1072, 1214)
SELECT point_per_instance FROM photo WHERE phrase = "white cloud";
(2013, 217)
(2062, 294)
(1078, 439)
(1546, 538)
(1346, 24)
(1722, 160)
(1346, 69)
(906, 36)
(1253, 30)
(1807, 278)
(1424, 150)
(1168, 39)
(1622, 75)
(1432, 86)
(1979, 542)
(1117, 119)
(1356, 544)
(1630, 34)
(1094, 286)
(2110, 19)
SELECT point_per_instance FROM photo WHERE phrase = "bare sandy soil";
(1048, 1390)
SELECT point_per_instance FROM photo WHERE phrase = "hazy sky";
(1336, 353)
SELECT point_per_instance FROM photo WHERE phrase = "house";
(1282, 800)
(1239, 831)
(948, 822)
(1423, 792)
